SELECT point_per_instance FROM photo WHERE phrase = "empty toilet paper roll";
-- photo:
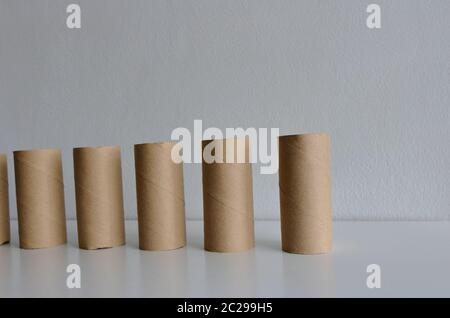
(160, 197)
(227, 196)
(99, 198)
(40, 198)
(4, 201)
(305, 193)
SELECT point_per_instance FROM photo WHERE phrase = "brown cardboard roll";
(40, 198)
(305, 193)
(227, 197)
(160, 197)
(99, 198)
(4, 201)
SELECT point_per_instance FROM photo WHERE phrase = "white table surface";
(414, 259)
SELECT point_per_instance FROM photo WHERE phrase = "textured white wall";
(138, 69)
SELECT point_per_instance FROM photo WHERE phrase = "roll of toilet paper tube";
(160, 197)
(99, 197)
(305, 193)
(4, 201)
(227, 195)
(40, 198)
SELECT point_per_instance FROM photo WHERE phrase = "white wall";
(138, 69)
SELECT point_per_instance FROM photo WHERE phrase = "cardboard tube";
(305, 193)
(4, 201)
(99, 198)
(227, 198)
(160, 197)
(40, 198)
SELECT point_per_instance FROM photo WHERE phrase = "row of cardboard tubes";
(305, 198)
